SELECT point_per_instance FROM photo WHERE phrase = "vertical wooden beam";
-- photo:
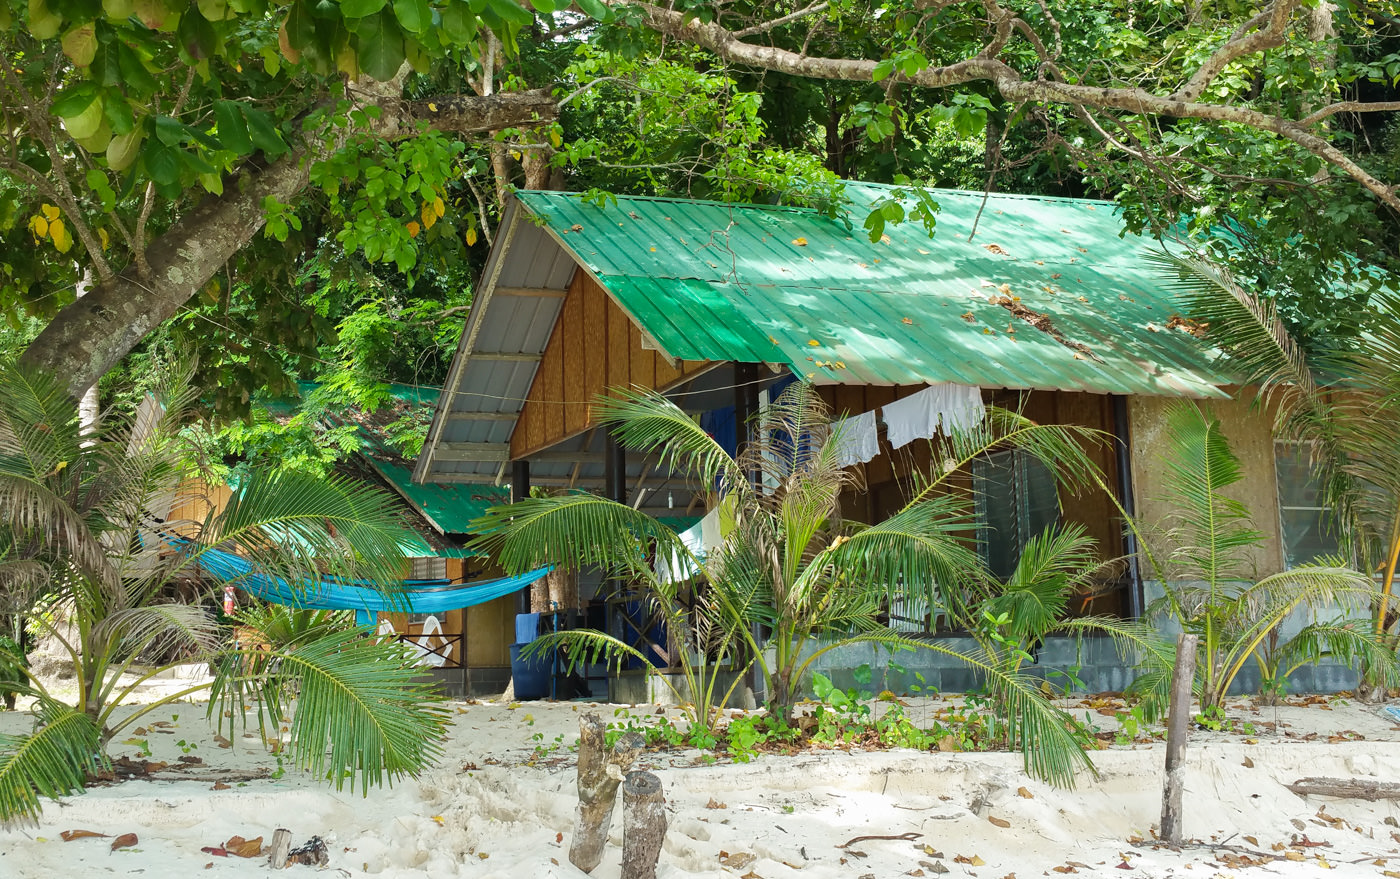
(614, 470)
(1123, 467)
(1178, 718)
(519, 490)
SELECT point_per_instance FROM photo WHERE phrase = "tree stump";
(1178, 715)
(599, 774)
(643, 825)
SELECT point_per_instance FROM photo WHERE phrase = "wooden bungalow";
(1042, 304)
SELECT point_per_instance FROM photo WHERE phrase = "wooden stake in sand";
(643, 825)
(1178, 715)
(281, 846)
(599, 774)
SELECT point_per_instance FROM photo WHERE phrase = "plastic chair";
(434, 656)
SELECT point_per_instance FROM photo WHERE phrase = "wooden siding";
(594, 347)
(887, 475)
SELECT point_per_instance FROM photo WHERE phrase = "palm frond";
(1211, 528)
(1052, 564)
(296, 526)
(363, 712)
(1350, 642)
(646, 421)
(577, 531)
(53, 761)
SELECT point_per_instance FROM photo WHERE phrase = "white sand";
(497, 807)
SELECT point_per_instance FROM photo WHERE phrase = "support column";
(614, 470)
(1122, 459)
(519, 490)
(745, 400)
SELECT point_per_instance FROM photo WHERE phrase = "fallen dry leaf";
(1248, 763)
(219, 785)
(1025, 794)
(738, 860)
(751, 875)
(715, 804)
(1000, 822)
(126, 840)
(222, 742)
(1064, 868)
(1251, 840)
(975, 860)
(558, 837)
(70, 835)
(218, 851)
(244, 848)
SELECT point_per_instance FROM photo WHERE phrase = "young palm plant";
(788, 565)
(1342, 403)
(84, 508)
(1210, 587)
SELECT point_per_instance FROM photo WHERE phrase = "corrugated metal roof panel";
(1049, 293)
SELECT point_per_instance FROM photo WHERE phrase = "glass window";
(1306, 524)
(1016, 500)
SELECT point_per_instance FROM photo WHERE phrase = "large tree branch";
(1016, 88)
(1249, 39)
(88, 337)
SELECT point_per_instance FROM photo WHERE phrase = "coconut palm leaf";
(646, 421)
(1052, 565)
(1211, 529)
(362, 712)
(1350, 642)
(577, 530)
(294, 525)
(53, 761)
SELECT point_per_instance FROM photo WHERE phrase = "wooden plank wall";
(887, 476)
(594, 347)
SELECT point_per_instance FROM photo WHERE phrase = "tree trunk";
(599, 774)
(1179, 713)
(89, 337)
(643, 825)
(281, 847)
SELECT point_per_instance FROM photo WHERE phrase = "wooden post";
(643, 825)
(1178, 719)
(599, 774)
(281, 847)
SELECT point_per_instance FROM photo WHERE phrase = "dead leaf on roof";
(921, 250)
(1004, 288)
(995, 248)
(800, 242)
(576, 228)
(884, 239)
(814, 343)
(1055, 277)
(969, 317)
(907, 321)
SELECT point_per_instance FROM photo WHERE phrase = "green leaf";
(163, 164)
(511, 12)
(360, 8)
(458, 24)
(137, 78)
(263, 132)
(301, 30)
(232, 128)
(595, 9)
(120, 117)
(381, 50)
(413, 15)
(74, 100)
(169, 131)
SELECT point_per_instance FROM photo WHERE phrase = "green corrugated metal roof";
(450, 507)
(1050, 293)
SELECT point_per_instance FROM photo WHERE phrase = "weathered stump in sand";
(643, 825)
(1178, 715)
(1347, 788)
(599, 774)
(281, 847)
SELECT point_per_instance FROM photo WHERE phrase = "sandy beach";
(501, 804)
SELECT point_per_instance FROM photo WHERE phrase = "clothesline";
(941, 408)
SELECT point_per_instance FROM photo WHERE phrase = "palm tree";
(789, 565)
(1209, 584)
(80, 528)
(1342, 402)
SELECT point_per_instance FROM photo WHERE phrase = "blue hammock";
(361, 596)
